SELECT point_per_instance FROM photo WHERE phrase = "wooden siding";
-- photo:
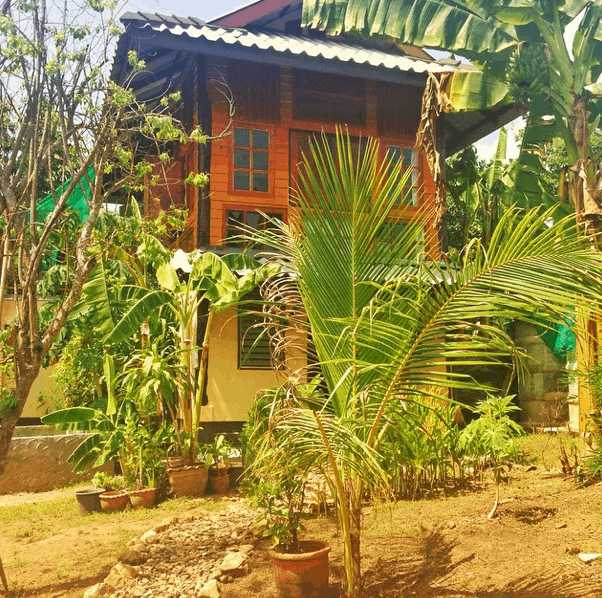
(255, 89)
(398, 109)
(391, 113)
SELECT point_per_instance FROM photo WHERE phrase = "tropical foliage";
(387, 328)
(525, 55)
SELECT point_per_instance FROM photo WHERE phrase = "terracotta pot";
(303, 575)
(219, 481)
(88, 500)
(190, 480)
(173, 462)
(115, 500)
(144, 498)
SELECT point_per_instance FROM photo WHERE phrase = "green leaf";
(168, 277)
(131, 321)
(71, 415)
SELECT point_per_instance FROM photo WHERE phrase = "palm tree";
(387, 323)
(525, 57)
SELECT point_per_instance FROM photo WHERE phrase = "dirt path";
(22, 498)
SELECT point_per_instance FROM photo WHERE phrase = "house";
(261, 86)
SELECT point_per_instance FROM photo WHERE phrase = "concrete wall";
(542, 395)
(42, 387)
(230, 391)
(39, 463)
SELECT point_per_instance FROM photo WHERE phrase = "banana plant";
(526, 55)
(212, 282)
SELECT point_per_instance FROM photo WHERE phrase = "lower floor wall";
(39, 463)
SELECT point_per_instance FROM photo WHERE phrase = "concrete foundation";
(542, 392)
(39, 463)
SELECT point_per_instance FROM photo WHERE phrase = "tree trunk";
(11, 417)
(352, 546)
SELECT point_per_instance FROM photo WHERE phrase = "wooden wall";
(392, 113)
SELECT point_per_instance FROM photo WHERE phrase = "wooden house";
(261, 86)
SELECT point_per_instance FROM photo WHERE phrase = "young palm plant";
(387, 323)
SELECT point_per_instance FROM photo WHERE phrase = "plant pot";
(190, 480)
(219, 481)
(171, 462)
(88, 500)
(115, 500)
(303, 575)
(144, 498)
(235, 472)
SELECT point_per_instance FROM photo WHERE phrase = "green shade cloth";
(559, 338)
(78, 200)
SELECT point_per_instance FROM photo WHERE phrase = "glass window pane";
(260, 182)
(242, 137)
(241, 180)
(242, 158)
(260, 161)
(393, 153)
(255, 220)
(408, 156)
(234, 218)
(261, 139)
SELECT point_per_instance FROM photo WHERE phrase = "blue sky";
(205, 9)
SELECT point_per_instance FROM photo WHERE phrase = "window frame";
(270, 153)
(230, 207)
(241, 362)
(416, 184)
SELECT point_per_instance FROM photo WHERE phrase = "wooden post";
(3, 576)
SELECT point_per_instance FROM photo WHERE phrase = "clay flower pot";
(302, 575)
(144, 498)
(115, 500)
(88, 500)
(219, 480)
(190, 480)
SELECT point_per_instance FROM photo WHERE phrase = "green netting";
(559, 338)
(78, 200)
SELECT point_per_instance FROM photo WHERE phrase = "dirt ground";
(438, 547)
(447, 547)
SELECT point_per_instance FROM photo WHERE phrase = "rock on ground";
(186, 558)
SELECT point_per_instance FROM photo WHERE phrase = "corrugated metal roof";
(283, 43)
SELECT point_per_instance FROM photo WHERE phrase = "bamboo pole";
(3, 577)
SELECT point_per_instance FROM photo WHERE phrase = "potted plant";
(211, 281)
(148, 467)
(276, 483)
(114, 496)
(217, 462)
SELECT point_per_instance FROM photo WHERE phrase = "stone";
(561, 526)
(451, 524)
(99, 589)
(209, 590)
(166, 524)
(133, 557)
(120, 574)
(233, 564)
(246, 548)
(149, 536)
(588, 557)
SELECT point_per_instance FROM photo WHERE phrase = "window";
(251, 160)
(253, 340)
(403, 159)
(235, 219)
(390, 234)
